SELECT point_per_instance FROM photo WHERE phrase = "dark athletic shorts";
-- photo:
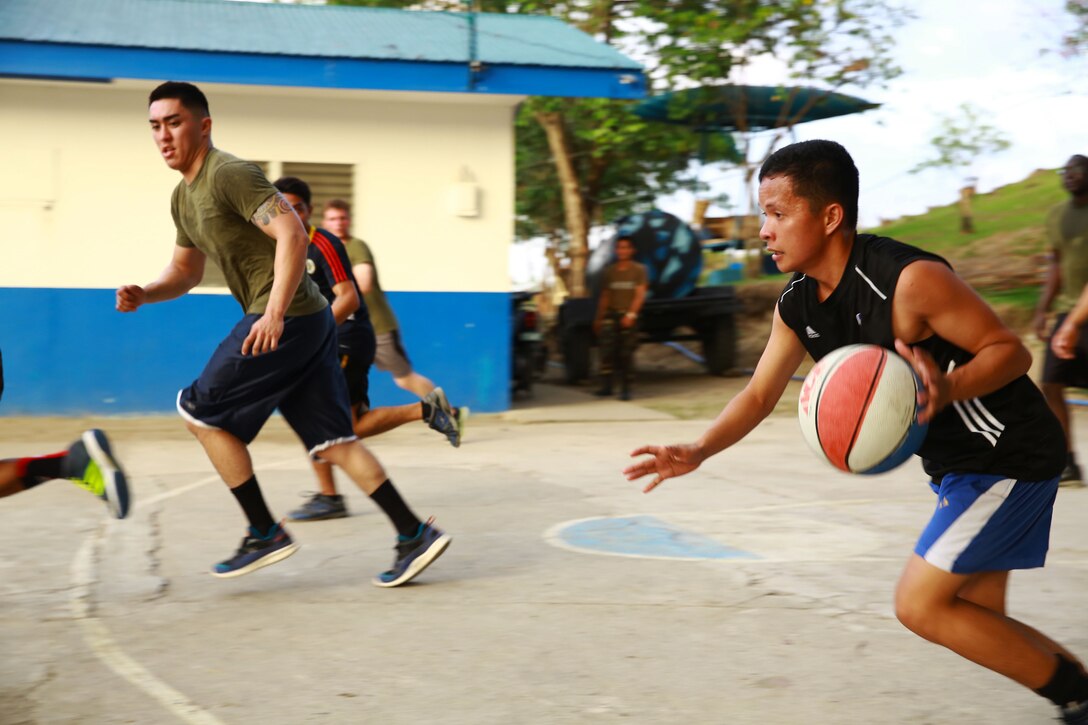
(301, 377)
(356, 358)
(1070, 373)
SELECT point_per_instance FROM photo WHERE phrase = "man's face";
(625, 251)
(792, 233)
(180, 135)
(1075, 176)
(301, 208)
(337, 221)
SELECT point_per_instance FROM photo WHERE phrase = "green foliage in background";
(605, 161)
(1015, 210)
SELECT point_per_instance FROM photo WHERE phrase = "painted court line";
(97, 636)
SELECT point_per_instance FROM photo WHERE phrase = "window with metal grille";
(327, 181)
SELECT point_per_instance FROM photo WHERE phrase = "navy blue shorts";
(356, 357)
(238, 393)
(988, 523)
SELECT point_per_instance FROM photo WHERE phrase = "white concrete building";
(407, 114)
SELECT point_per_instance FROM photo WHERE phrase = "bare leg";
(358, 463)
(988, 590)
(9, 483)
(415, 383)
(380, 420)
(1055, 398)
(325, 480)
(928, 602)
(228, 454)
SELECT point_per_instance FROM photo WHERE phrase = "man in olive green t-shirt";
(391, 355)
(623, 290)
(1067, 275)
(281, 354)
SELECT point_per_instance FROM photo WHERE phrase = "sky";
(983, 52)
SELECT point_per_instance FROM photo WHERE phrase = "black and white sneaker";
(1071, 477)
(1076, 714)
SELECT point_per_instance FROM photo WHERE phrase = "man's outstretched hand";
(664, 462)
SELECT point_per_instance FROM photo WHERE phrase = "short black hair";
(625, 238)
(294, 185)
(1078, 160)
(190, 96)
(822, 173)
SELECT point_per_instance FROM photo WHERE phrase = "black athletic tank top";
(1010, 432)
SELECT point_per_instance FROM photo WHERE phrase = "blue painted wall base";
(69, 352)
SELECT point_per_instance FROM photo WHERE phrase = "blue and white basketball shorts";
(302, 377)
(988, 523)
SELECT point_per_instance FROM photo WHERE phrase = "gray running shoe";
(90, 464)
(319, 508)
(444, 418)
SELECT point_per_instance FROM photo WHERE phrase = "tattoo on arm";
(270, 209)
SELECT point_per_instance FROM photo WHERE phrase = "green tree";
(962, 139)
(1075, 42)
(604, 160)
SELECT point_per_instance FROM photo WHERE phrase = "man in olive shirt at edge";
(623, 291)
(283, 352)
(1067, 275)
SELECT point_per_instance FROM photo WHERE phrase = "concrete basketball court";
(756, 590)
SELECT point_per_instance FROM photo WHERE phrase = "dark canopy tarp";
(748, 108)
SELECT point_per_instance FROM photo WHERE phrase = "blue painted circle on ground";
(646, 536)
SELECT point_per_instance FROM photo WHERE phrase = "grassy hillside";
(1016, 211)
(1005, 259)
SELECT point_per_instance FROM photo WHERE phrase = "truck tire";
(576, 347)
(719, 344)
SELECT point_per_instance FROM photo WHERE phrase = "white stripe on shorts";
(954, 541)
(186, 415)
(315, 452)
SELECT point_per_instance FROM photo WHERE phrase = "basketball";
(859, 409)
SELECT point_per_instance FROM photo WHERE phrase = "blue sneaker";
(414, 555)
(444, 418)
(256, 552)
(90, 465)
(320, 507)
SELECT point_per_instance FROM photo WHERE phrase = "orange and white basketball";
(859, 409)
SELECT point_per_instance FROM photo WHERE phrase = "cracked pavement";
(119, 622)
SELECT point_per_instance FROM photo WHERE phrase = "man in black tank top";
(993, 448)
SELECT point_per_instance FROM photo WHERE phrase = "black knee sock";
(1067, 685)
(426, 409)
(389, 501)
(32, 471)
(253, 505)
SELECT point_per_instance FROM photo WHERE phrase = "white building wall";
(84, 195)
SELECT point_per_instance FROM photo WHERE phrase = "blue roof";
(313, 45)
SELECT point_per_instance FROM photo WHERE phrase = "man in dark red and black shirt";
(327, 263)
